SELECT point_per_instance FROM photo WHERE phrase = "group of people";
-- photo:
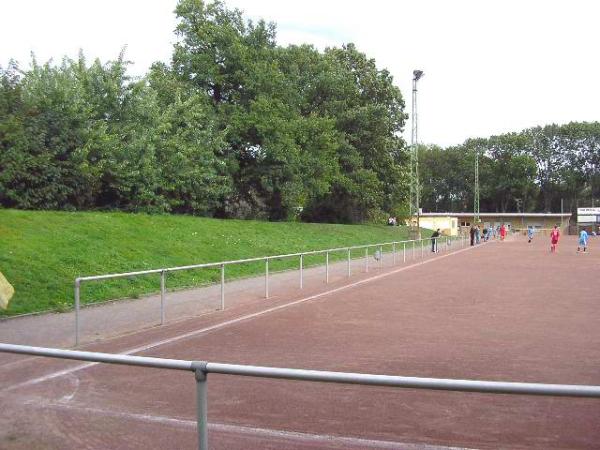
(476, 234)
(582, 243)
(488, 233)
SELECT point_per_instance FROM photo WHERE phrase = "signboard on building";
(588, 215)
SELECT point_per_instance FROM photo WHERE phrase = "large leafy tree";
(512, 173)
(234, 126)
(368, 113)
(278, 158)
(43, 127)
(306, 130)
(193, 173)
(446, 178)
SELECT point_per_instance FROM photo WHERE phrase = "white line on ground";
(18, 361)
(227, 323)
(345, 441)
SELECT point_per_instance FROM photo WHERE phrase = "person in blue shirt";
(583, 238)
(529, 233)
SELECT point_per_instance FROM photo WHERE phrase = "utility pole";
(476, 189)
(415, 188)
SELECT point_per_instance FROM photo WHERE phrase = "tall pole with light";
(415, 189)
(476, 189)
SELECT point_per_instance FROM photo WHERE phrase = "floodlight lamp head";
(417, 74)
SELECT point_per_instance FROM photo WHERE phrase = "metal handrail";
(240, 261)
(203, 368)
(223, 264)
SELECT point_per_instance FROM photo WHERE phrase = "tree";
(513, 173)
(235, 127)
(43, 128)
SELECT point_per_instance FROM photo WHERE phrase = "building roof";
(485, 214)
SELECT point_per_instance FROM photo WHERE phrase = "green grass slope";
(41, 252)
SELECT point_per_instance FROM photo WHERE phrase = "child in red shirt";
(502, 232)
(554, 236)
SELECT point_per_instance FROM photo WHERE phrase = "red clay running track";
(504, 311)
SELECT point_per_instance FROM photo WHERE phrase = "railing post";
(349, 273)
(201, 404)
(326, 267)
(162, 297)
(77, 295)
(301, 274)
(404, 252)
(266, 277)
(366, 259)
(222, 287)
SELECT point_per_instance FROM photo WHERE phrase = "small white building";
(447, 224)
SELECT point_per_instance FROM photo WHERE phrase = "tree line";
(532, 170)
(234, 126)
(238, 126)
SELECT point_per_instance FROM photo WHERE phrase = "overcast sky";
(490, 66)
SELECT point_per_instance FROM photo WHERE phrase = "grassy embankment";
(41, 253)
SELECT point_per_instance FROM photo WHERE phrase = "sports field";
(507, 311)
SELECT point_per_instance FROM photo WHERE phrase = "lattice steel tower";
(476, 189)
(415, 188)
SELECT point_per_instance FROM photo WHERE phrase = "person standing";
(477, 234)
(502, 232)
(583, 239)
(472, 235)
(554, 237)
(434, 240)
(529, 233)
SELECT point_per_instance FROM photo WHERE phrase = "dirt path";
(126, 316)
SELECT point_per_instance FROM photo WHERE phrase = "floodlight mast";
(415, 188)
(476, 219)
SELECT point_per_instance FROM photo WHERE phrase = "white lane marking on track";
(19, 361)
(251, 431)
(180, 337)
(67, 398)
